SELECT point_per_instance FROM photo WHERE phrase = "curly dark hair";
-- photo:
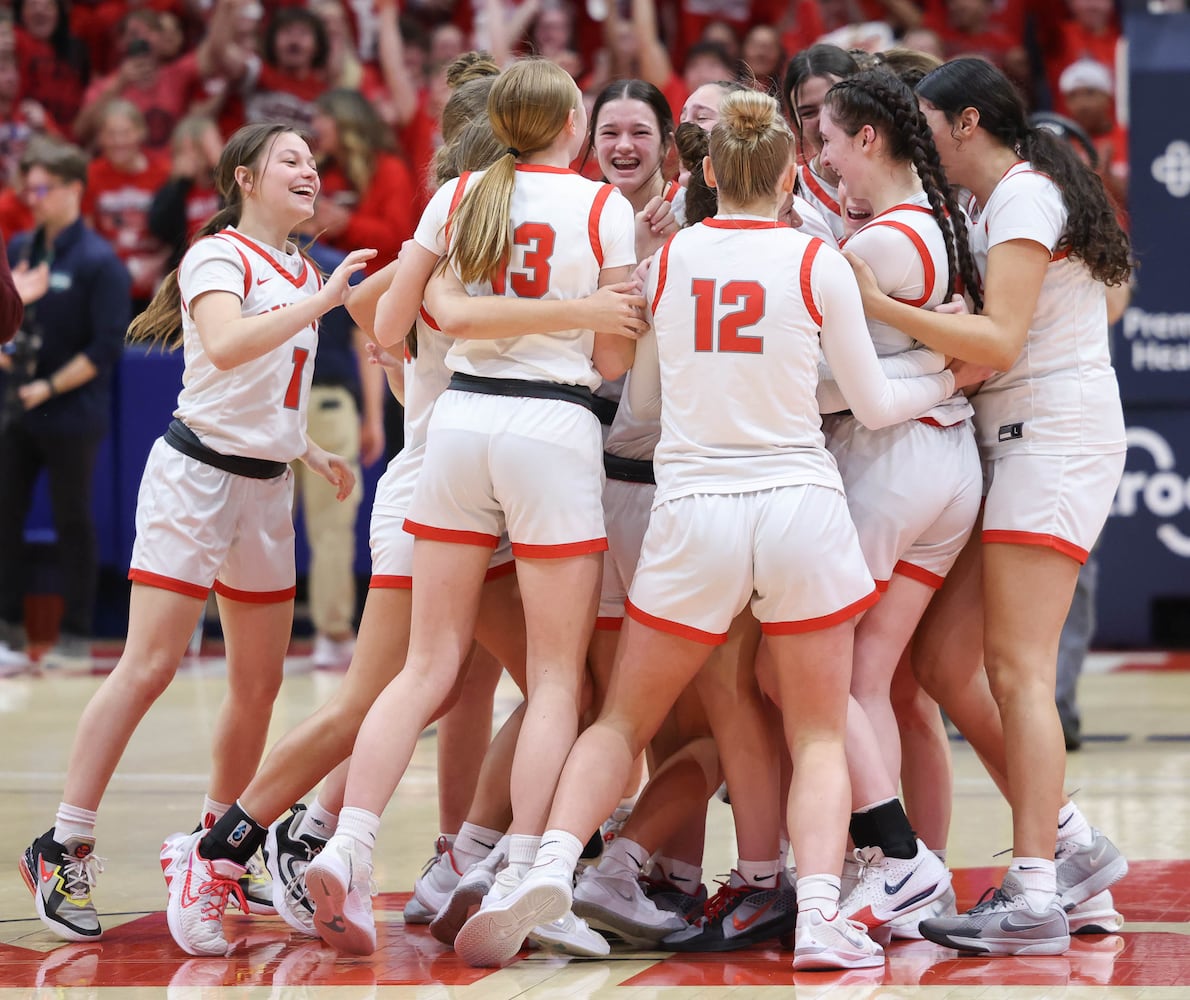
(1093, 234)
(878, 98)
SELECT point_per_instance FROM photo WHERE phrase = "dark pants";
(69, 461)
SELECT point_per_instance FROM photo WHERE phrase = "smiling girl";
(214, 510)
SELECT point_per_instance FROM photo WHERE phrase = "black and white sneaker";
(286, 857)
(61, 877)
(737, 916)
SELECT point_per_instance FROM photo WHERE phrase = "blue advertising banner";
(1152, 342)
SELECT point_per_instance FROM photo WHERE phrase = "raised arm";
(391, 54)
(655, 64)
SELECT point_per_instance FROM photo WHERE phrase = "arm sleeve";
(12, 311)
(644, 380)
(907, 364)
(875, 401)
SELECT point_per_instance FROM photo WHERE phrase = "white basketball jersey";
(738, 341)
(1060, 396)
(256, 409)
(823, 196)
(565, 230)
(905, 248)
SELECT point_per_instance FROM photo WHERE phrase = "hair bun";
(471, 66)
(749, 114)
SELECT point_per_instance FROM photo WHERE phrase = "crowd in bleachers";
(150, 88)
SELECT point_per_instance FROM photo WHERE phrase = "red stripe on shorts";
(674, 628)
(256, 596)
(381, 581)
(451, 535)
(920, 575)
(1036, 538)
(826, 621)
(168, 583)
(560, 551)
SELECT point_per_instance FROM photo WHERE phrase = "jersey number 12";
(726, 336)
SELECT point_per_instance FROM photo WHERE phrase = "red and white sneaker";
(198, 896)
(891, 888)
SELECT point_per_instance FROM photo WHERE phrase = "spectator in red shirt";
(367, 196)
(54, 64)
(163, 91)
(121, 182)
(968, 30)
(1090, 32)
(1087, 90)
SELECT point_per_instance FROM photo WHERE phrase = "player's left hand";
(333, 468)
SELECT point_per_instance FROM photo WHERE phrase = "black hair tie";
(515, 152)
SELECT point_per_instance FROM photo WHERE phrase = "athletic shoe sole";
(1001, 946)
(450, 919)
(329, 897)
(493, 936)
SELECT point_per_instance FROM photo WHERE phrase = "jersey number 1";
(293, 391)
(751, 312)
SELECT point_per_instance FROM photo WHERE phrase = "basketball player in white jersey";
(511, 445)
(1051, 433)
(214, 507)
(746, 490)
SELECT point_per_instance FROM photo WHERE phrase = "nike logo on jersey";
(261, 281)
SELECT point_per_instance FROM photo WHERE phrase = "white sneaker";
(894, 887)
(339, 884)
(468, 893)
(438, 879)
(71, 653)
(1097, 915)
(415, 913)
(837, 943)
(198, 892)
(332, 654)
(618, 904)
(904, 928)
(570, 935)
(12, 660)
(495, 934)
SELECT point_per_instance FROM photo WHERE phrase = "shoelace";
(295, 889)
(723, 898)
(868, 859)
(441, 846)
(79, 875)
(214, 895)
(993, 898)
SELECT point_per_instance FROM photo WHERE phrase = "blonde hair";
(750, 147)
(528, 107)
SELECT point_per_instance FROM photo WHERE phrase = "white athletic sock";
(71, 821)
(1037, 879)
(317, 821)
(473, 843)
(623, 857)
(212, 812)
(941, 855)
(685, 876)
(522, 852)
(758, 874)
(557, 855)
(818, 892)
(1073, 826)
(361, 826)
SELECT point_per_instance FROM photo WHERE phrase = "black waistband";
(181, 438)
(605, 409)
(579, 394)
(628, 470)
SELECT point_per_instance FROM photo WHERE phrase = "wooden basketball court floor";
(1132, 778)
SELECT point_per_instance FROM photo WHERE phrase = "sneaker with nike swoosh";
(889, 888)
(1085, 870)
(738, 916)
(286, 857)
(61, 877)
(618, 904)
(340, 886)
(1002, 923)
(198, 893)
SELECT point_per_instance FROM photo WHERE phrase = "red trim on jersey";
(662, 268)
(671, 191)
(1060, 255)
(717, 223)
(427, 319)
(455, 198)
(499, 572)
(931, 422)
(807, 268)
(593, 221)
(825, 621)
(168, 583)
(561, 551)
(881, 586)
(381, 581)
(542, 168)
(907, 569)
(455, 535)
(812, 182)
(993, 535)
(927, 262)
(674, 628)
(604, 624)
(256, 596)
(297, 282)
